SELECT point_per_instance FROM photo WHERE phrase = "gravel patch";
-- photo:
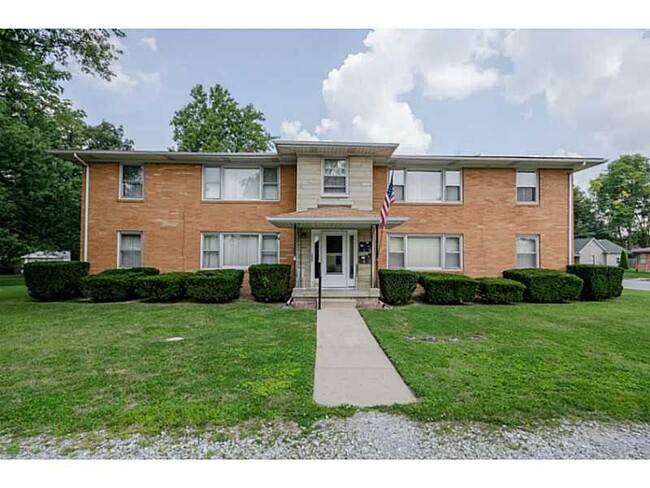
(366, 435)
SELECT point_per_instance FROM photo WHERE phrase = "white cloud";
(364, 96)
(292, 130)
(149, 42)
(528, 114)
(597, 81)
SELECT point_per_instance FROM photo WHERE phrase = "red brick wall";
(172, 216)
(489, 219)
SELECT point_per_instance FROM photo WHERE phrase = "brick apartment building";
(318, 202)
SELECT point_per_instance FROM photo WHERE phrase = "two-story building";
(315, 205)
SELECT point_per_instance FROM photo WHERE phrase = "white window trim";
(537, 192)
(347, 177)
(443, 200)
(222, 182)
(120, 190)
(536, 237)
(119, 246)
(221, 234)
(442, 251)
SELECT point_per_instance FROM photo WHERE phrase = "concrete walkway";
(351, 368)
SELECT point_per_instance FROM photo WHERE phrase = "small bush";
(108, 288)
(600, 282)
(166, 287)
(623, 262)
(215, 286)
(397, 285)
(54, 280)
(546, 285)
(270, 282)
(446, 289)
(499, 290)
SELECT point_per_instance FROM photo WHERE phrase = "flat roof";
(382, 153)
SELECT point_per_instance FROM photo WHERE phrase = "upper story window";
(527, 187)
(335, 177)
(132, 181)
(225, 183)
(424, 185)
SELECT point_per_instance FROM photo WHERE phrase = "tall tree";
(622, 196)
(39, 194)
(106, 136)
(215, 122)
(585, 216)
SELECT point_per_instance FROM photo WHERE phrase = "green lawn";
(72, 367)
(585, 360)
(631, 274)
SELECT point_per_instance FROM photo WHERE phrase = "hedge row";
(530, 285)
(270, 282)
(54, 280)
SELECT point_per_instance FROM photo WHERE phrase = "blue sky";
(435, 92)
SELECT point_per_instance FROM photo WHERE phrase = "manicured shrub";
(54, 280)
(108, 288)
(499, 290)
(623, 262)
(546, 285)
(446, 289)
(130, 271)
(270, 282)
(397, 285)
(166, 287)
(600, 282)
(215, 286)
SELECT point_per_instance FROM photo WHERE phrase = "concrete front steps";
(336, 298)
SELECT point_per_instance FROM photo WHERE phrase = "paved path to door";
(351, 368)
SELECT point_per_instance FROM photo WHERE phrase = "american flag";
(388, 201)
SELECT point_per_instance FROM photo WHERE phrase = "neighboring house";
(311, 202)
(642, 258)
(46, 256)
(590, 250)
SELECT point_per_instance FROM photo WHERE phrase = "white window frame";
(443, 182)
(322, 178)
(442, 237)
(120, 233)
(222, 182)
(536, 237)
(537, 194)
(120, 190)
(221, 246)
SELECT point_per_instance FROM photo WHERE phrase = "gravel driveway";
(366, 435)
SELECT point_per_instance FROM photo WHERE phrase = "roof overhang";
(335, 149)
(172, 157)
(333, 222)
(518, 162)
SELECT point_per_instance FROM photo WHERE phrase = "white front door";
(334, 261)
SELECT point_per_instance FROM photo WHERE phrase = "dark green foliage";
(108, 288)
(446, 289)
(270, 282)
(166, 287)
(115, 285)
(623, 263)
(546, 285)
(397, 285)
(55, 280)
(600, 282)
(215, 286)
(499, 290)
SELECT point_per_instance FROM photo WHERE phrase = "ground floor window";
(422, 252)
(129, 250)
(528, 251)
(230, 250)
